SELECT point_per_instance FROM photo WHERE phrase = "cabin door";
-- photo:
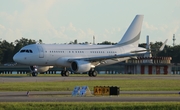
(41, 52)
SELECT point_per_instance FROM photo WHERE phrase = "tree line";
(7, 50)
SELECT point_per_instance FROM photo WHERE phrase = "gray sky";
(62, 21)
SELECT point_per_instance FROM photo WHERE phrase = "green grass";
(89, 106)
(132, 84)
(124, 84)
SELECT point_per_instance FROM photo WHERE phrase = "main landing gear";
(92, 73)
(64, 73)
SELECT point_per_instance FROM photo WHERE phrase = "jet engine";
(40, 68)
(80, 66)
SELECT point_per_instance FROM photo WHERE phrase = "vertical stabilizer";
(132, 34)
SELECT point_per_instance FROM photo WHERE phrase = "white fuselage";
(48, 54)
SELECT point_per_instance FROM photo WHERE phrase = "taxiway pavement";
(65, 96)
(84, 77)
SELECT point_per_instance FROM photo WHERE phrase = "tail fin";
(132, 34)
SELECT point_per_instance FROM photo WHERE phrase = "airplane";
(82, 58)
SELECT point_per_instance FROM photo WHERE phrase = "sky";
(63, 21)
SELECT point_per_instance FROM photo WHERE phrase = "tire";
(94, 73)
(62, 73)
(34, 74)
(90, 73)
(66, 73)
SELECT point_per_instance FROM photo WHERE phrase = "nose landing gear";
(34, 72)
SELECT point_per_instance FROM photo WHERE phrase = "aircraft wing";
(101, 58)
(116, 56)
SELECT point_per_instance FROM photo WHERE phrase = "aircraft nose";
(16, 58)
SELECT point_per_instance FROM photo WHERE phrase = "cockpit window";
(22, 51)
(26, 51)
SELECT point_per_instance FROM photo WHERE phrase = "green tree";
(105, 43)
(6, 51)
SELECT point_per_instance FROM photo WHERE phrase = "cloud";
(163, 31)
(10, 33)
(149, 26)
(32, 23)
(90, 32)
(7, 16)
(112, 30)
(174, 28)
(33, 18)
(71, 27)
(113, 34)
(2, 27)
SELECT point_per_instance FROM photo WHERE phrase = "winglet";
(162, 47)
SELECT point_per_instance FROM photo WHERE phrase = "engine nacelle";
(40, 68)
(80, 66)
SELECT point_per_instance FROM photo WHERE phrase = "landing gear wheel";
(34, 74)
(64, 73)
(92, 73)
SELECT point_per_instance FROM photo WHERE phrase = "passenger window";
(30, 51)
